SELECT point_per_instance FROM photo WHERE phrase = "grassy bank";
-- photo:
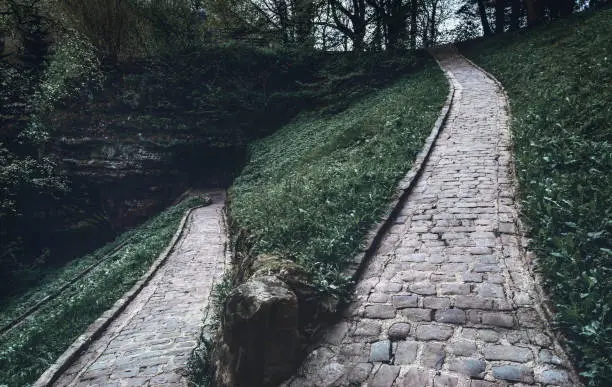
(27, 350)
(312, 190)
(558, 79)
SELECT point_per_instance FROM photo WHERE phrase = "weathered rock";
(450, 316)
(385, 376)
(433, 332)
(380, 351)
(554, 376)
(406, 352)
(508, 352)
(514, 373)
(433, 355)
(473, 368)
(398, 331)
(260, 334)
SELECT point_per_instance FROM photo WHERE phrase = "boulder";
(260, 338)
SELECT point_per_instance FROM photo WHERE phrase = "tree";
(393, 17)
(352, 20)
(515, 15)
(500, 16)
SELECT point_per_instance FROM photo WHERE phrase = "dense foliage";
(224, 96)
(312, 190)
(558, 80)
(28, 350)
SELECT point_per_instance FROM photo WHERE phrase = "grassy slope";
(27, 350)
(559, 78)
(312, 190)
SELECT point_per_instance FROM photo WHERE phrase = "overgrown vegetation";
(26, 351)
(313, 189)
(558, 79)
(191, 92)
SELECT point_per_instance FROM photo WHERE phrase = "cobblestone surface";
(452, 302)
(150, 342)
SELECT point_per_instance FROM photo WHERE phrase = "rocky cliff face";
(117, 183)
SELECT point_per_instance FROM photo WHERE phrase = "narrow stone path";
(448, 299)
(150, 342)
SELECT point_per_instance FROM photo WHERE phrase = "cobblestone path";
(448, 300)
(150, 342)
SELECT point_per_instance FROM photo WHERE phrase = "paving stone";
(508, 352)
(388, 287)
(405, 352)
(474, 368)
(359, 373)
(398, 331)
(433, 355)
(412, 257)
(378, 298)
(380, 311)
(436, 302)
(487, 259)
(553, 376)
(513, 373)
(404, 301)
(486, 268)
(417, 314)
(445, 381)
(423, 288)
(453, 267)
(528, 318)
(368, 328)
(433, 332)
(413, 377)
(329, 374)
(385, 376)
(488, 335)
(515, 336)
(490, 290)
(450, 316)
(495, 279)
(539, 338)
(472, 277)
(473, 302)
(462, 348)
(547, 356)
(380, 351)
(454, 288)
(498, 319)
(484, 383)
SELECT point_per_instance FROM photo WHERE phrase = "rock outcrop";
(260, 336)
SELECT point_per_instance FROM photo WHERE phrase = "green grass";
(27, 350)
(559, 79)
(311, 191)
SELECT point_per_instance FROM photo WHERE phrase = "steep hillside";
(558, 79)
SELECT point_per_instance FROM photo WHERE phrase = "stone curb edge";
(404, 188)
(98, 326)
(545, 306)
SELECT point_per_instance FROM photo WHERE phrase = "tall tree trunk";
(432, 23)
(500, 6)
(413, 23)
(534, 12)
(566, 8)
(303, 20)
(515, 15)
(486, 29)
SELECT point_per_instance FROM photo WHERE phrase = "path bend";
(149, 343)
(448, 298)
